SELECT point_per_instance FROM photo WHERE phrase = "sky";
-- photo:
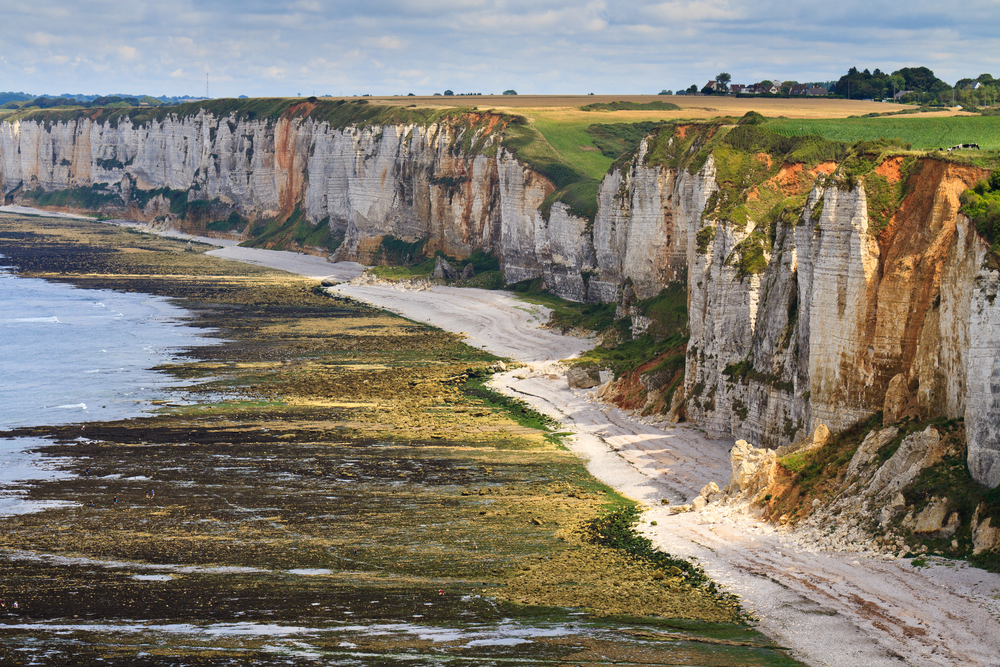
(396, 47)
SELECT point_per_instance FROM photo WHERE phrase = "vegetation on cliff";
(982, 205)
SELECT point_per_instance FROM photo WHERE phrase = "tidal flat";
(329, 492)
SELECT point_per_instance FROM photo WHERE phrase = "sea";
(71, 355)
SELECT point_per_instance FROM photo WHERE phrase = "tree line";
(905, 85)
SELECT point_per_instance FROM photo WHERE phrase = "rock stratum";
(824, 283)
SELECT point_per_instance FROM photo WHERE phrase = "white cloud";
(390, 42)
(683, 11)
(43, 39)
(276, 47)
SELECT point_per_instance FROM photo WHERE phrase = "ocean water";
(70, 355)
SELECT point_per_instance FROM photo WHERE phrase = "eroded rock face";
(896, 398)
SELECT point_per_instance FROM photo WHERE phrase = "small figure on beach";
(151, 494)
(440, 591)
(87, 472)
(14, 605)
(116, 500)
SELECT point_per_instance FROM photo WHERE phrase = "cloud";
(680, 11)
(43, 39)
(276, 47)
(390, 42)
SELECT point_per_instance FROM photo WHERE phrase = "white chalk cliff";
(841, 323)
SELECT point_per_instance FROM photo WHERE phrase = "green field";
(922, 133)
(571, 142)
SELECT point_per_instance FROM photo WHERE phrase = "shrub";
(982, 205)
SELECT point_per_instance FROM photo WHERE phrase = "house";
(817, 90)
(714, 85)
(737, 88)
(800, 89)
(763, 88)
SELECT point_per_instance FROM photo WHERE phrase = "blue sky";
(307, 47)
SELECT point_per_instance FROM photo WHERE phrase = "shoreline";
(340, 481)
(828, 609)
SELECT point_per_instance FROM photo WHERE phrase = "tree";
(666, 92)
(510, 92)
(896, 82)
(449, 92)
(723, 79)
(692, 89)
(707, 90)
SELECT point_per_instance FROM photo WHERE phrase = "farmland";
(924, 133)
(562, 124)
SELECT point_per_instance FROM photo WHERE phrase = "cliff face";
(817, 320)
(844, 322)
(408, 181)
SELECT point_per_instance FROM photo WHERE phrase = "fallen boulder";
(443, 270)
(984, 536)
(936, 519)
(583, 377)
(916, 452)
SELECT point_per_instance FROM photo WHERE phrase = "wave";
(53, 319)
